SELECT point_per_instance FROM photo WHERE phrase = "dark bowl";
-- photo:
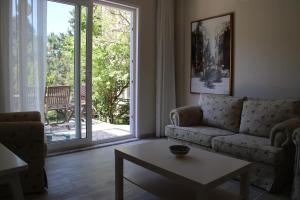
(179, 150)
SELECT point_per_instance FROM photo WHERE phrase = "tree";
(111, 60)
(59, 60)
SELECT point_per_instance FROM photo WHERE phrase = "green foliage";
(55, 117)
(59, 59)
(110, 63)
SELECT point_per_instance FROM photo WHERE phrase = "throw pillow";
(259, 116)
(221, 111)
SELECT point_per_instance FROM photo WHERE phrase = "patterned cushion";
(221, 111)
(197, 134)
(259, 116)
(249, 147)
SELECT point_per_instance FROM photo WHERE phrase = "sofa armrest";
(20, 116)
(296, 184)
(26, 139)
(186, 116)
(296, 140)
(296, 136)
(281, 133)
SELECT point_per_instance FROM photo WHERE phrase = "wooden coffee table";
(10, 166)
(194, 176)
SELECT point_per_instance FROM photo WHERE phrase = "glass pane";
(60, 123)
(111, 72)
(83, 71)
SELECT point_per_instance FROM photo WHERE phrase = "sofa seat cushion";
(196, 134)
(248, 147)
(221, 111)
(259, 116)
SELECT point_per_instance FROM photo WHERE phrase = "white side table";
(10, 166)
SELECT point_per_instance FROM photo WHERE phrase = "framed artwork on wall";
(212, 55)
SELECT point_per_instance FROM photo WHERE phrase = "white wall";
(266, 46)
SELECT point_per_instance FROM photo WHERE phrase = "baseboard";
(147, 135)
(89, 147)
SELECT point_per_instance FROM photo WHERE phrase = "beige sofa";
(296, 185)
(256, 130)
(23, 134)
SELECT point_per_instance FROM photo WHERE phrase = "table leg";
(119, 187)
(244, 186)
(16, 187)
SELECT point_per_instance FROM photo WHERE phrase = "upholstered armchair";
(23, 134)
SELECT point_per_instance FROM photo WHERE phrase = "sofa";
(23, 134)
(296, 184)
(256, 130)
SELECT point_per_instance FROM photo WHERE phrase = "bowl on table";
(179, 150)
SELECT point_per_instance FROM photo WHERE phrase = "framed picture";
(212, 55)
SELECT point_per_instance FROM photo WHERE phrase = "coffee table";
(194, 176)
(10, 166)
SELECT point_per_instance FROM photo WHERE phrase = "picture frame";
(212, 55)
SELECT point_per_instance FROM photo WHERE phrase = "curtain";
(23, 40)
(165, 83)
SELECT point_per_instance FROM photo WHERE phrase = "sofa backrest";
(20, 116)
(259, 116)
(221, 111)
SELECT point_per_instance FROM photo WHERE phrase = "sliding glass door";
(113, 69)
(90, 87)
(68, 63)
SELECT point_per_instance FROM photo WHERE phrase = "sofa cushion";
(259, 116)
(221, 111)
(249, 147)
(197, 134)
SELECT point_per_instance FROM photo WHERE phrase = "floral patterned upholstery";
(221, 111)
(265, 139)
(25, 137)
(296, 184)
(263, 175)
(273, 165)
(249, 147)
(259, 116)
(269, 177)
(197, 134)
(281, 133)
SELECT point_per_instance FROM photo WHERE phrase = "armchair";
(23, 134)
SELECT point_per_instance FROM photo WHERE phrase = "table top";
(199, 167)
(9, 162)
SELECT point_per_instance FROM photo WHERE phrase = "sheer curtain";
(23, 40)
(165, 86)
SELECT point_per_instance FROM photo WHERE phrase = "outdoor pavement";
(101, 131)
